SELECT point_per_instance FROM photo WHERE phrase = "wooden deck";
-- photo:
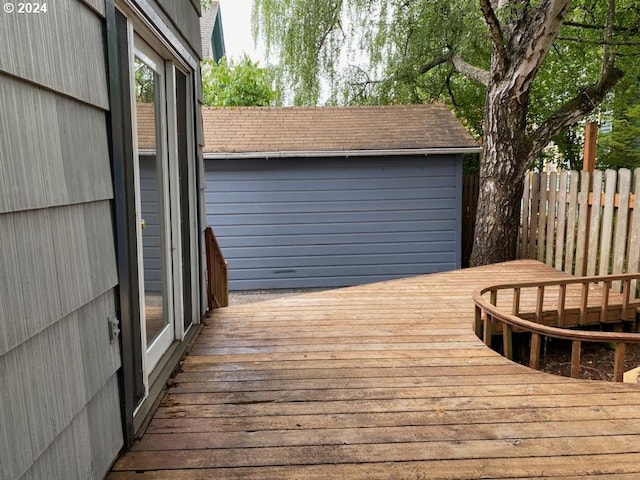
(384, 381)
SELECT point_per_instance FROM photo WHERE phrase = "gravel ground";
(252, 296)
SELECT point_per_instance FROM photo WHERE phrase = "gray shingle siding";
(59, 400)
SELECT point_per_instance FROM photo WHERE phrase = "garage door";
(304, 223)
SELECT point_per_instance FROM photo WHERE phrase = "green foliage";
(229, 84)
(145, 80)
(619, 144)
(385, 45)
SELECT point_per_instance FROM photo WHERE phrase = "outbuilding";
(322, 197)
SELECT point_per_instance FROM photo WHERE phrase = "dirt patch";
(596, 361)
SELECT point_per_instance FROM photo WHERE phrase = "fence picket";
(535, 207)
(622, 225)
(543, 211)
(594, 224)
(634, 234)
(570, 249)
(581, 226)
(527, 208)
(607, 222)
(562, 221)
(552, 213)
(583, 218)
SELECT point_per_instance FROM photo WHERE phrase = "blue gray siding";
(300, 223)
(151, 235)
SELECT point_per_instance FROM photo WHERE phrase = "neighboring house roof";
(255, 132)
(146, 127)
(211, 33)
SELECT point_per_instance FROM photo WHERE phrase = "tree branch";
(614, 43)
(435, 63)
(497, 37)
(532, 39)
(575, 109)
(590, 26)
(607, 55)
(474, 73)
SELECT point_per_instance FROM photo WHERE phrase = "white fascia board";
(340, 153)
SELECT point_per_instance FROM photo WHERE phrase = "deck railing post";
(488, 327)
(626, 292)
(584, 299)
(604, 307)
(516, 301)
(478, 321)
(540, 304)
(507, 340)
(562, 299)
(534, 356)
(576, 346)
(618, 364)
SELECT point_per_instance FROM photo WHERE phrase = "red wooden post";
(590, 145)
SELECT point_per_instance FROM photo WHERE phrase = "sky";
(236, 25)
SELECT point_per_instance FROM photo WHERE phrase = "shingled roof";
(145, 117)
(317, 131)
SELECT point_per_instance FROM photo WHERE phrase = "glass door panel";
(154, 218)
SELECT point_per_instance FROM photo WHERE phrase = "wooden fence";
(469, 206)
(582, 223)
(217, 276)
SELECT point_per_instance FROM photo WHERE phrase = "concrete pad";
(632, 376)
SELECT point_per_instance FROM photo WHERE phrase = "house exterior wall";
(325, 222)
(60, 404)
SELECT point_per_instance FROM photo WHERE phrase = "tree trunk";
(502, 166)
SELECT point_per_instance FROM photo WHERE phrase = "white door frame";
(169, 209)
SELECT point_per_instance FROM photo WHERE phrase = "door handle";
(143, 224)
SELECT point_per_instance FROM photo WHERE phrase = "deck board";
(376, 382)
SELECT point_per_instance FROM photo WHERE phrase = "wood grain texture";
(583, 227)
(572, 215)
(606, 240)
(634, 234)
(543, 213)
(523, 240)
(561, 240)
(386, 380)
(62, 50)
(621, 226)
(535, 205)
(552, 214)
(595, 220)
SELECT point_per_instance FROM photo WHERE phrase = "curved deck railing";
(609, 308)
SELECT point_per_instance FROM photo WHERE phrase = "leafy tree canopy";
(395, 51)
(231, 84)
